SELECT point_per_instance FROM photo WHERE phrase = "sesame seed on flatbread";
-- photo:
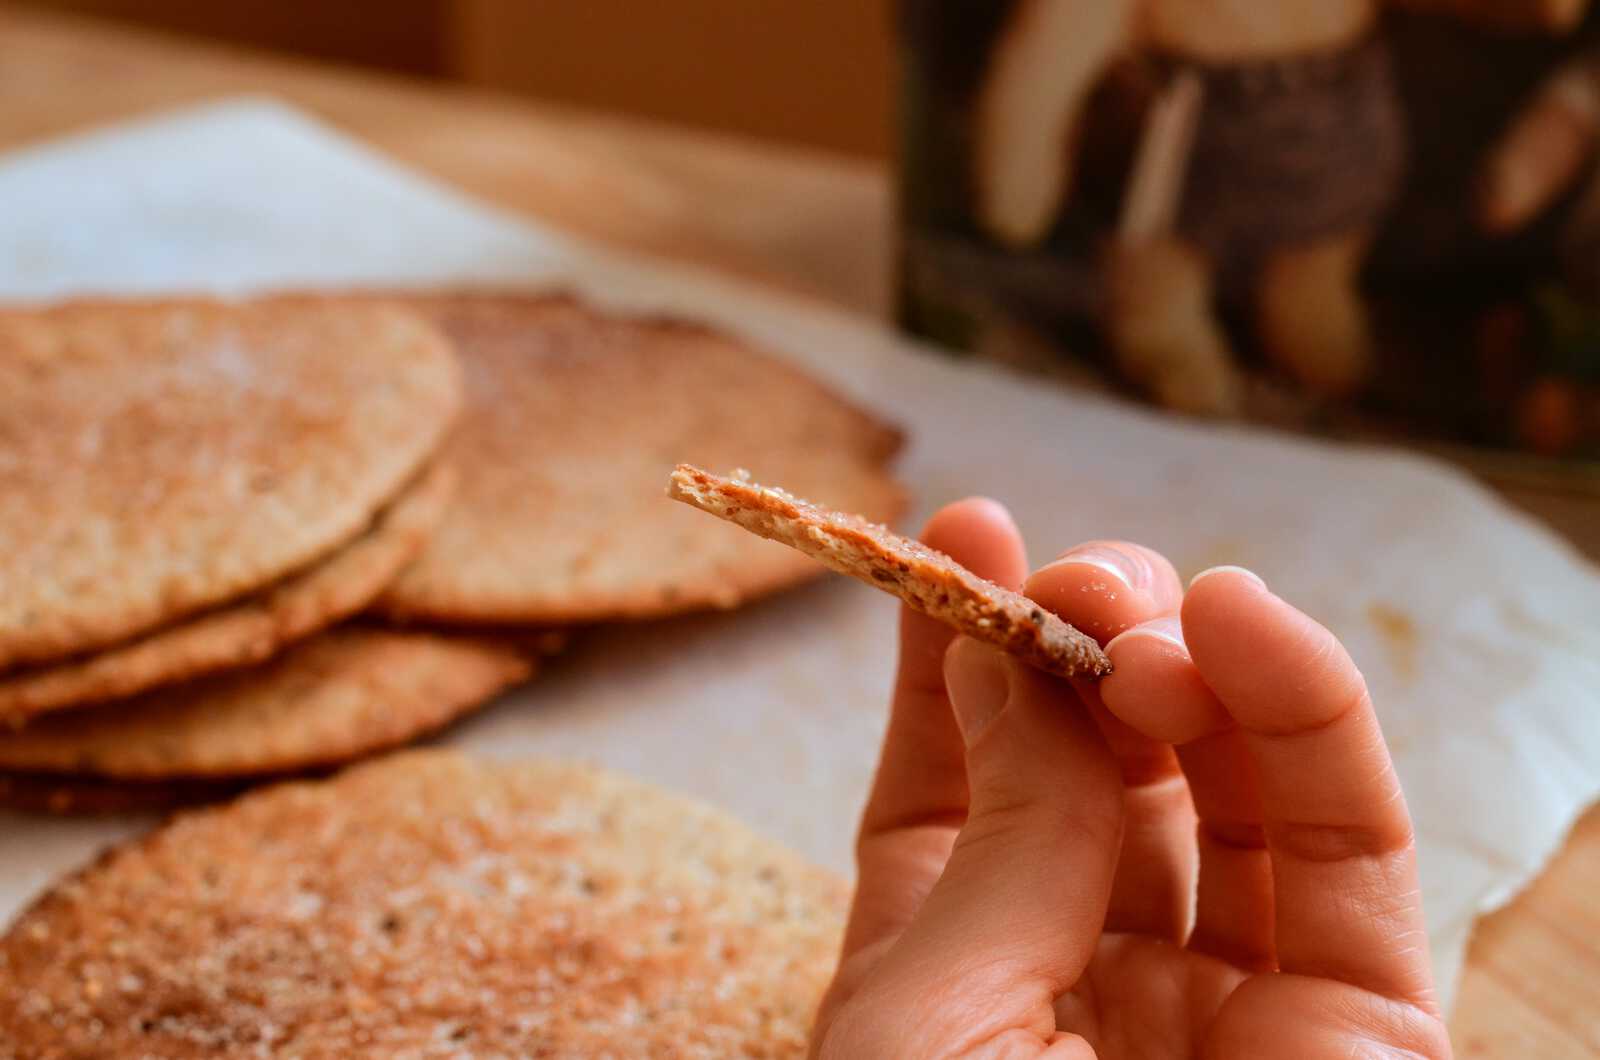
(431, 904)
(343, 694)
(244, 631)
(160, 458)
(570, 413)
(927, 580)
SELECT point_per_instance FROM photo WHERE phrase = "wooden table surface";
(810, 223)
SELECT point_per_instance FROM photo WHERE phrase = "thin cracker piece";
(159, 458)
(570, 412)
(929, 581)
(431, 904)
(249, 630)
(344, 694)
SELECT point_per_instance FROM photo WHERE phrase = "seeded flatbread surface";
(431, 905)
(158, 458)
(571, 415)
(247, 630)
(927, 580)
(343, 694)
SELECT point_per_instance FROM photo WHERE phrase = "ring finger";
(1156, 689)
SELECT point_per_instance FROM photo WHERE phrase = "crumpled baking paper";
(1479, 631)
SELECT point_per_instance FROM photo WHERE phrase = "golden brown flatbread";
(247, 630)
(431, 905)
(346, 693)
(927, 580)
(571, 415)
(159, 458)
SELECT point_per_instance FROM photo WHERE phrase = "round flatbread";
(245, 631)
(346, 693)
(430, 905)
(572, 418)
(157, 458)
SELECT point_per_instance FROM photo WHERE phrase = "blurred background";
(813, 73)
(797, 114)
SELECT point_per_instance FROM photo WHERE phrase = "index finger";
(1348, 905)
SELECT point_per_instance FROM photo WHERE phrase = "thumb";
(1017, 913)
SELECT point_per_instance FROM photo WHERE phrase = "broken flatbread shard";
(346, 693)
(430, 905)
(929, 581)
(247, 630)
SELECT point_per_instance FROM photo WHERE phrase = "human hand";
(1032, 848)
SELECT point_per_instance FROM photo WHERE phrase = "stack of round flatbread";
(191, 494)
(250, 539)
(427, 905)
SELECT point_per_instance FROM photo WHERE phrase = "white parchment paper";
(1478, 631)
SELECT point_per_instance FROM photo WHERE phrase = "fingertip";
(1166, 633)
(1218, 597)
(987, 508)
(977, 678)
(1106, 587)
(981, 535)
(1230, 572)
(1155, 688)
(984, 682)
(1274, 668)
(968, 512)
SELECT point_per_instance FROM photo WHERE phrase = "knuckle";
(1331, 697)
(1327, 843)
(1400, 1028)
(1234, 835)
(1320, 1018)
(999, 817)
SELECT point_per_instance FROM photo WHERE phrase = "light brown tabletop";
(810, 223)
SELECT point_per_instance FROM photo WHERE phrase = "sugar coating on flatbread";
(247, 630)
(929, 581)
(570, 412)
(343, 694)
(159, 458)
(431, 905)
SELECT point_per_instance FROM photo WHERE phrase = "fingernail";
(1131, 570)
(1209, 571)
(1168, 630)
(978, 682)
